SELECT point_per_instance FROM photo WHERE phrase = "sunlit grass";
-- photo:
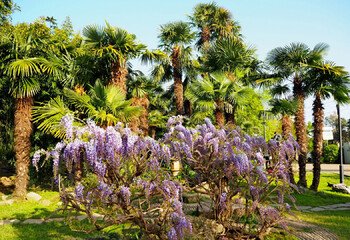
(325, 195)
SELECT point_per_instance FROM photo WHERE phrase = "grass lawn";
(337, 222)
(324, 196)
(53, 230)
(31, 209)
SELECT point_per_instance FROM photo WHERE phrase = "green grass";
(337, 222)
(47, 231)
(31, 209)
(325, 195)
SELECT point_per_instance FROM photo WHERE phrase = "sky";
(266, 24)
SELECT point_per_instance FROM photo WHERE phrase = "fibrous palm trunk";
(317, 141)
(178, 87)
(140, 123)
(300, 129)
(205, 38)
(119, 74)
(286, 131)
(23, 131)
(219, 113)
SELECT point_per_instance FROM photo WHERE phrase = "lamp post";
(341, 167)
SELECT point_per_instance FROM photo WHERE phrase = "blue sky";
(266, 24)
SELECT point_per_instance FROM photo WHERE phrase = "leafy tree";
(325, 80)
(7, 7)
(290, 62)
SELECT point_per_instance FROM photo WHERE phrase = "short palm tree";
(215, 94)
(324, 80)
(117, 46)
(290, 62)
(175, 38)
(106, 105)
(141, 89)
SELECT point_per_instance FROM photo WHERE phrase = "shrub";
(330, 153)
(246, 199)
(126, 177)
(119, 175)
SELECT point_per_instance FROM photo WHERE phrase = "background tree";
(115, 45)
(324, 80)
(175, 38)
(290, 62)
(213, 22)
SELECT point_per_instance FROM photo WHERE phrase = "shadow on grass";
(50, 231)
(322, 198)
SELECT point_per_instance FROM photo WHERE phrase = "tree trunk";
(219, 113)
(23, 131)
(119, 73)
(153, 132)
(231, 117)
(140, 123)
(300, 129)
(286, 126)
(188, 108)
(205, 38)
(286, 131)
(178, 87)
(318, 140)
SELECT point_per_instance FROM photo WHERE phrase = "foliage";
(124, 178)
(330, 153)
(232, 164)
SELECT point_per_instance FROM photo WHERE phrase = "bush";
(330, 153)
(127, 179)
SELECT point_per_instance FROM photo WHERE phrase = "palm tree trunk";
(140, 123)
(153, 132)
(119, 74)
(178, 87)
(231, 117)
(286, 126)
(300, 129)
(23, 131)
(205, 38)
(318, 114)
(219, 113)
(286, 131)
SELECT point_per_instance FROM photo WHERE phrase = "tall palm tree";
(117, 46)
(212, 22)
(175, 38)
(291, 63)
(215, 93)
(25, 65)
(324, 80)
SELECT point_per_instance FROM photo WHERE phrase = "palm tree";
(215, 93)
(324, 80)
(175, 38)
(117, 46)
(291, 63)
(106, 105)
(142, 89)
(213, 22)
(25, 65)
(286, 108)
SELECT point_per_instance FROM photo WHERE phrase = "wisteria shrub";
(121, 178)
(126, 178)
(247, 199)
